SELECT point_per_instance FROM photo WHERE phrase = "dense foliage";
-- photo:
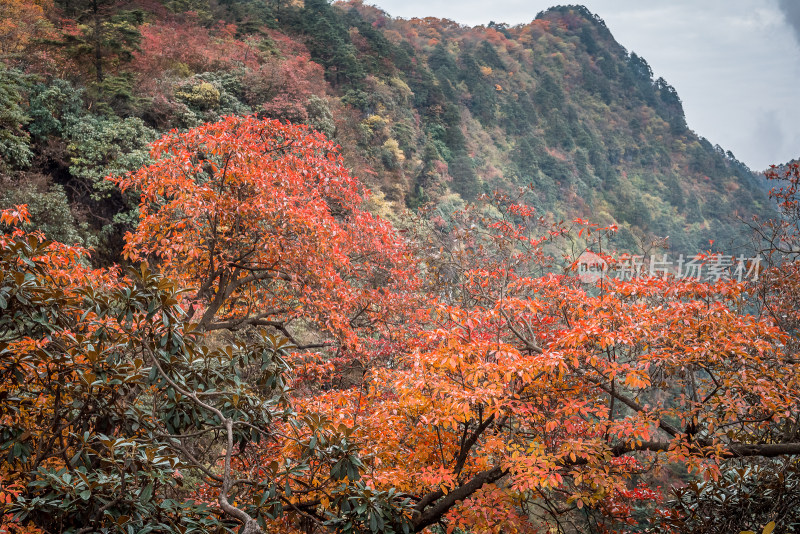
(481, 390)
(219, 329)
(426, 110)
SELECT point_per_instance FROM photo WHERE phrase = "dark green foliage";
(356, 98)
(328, 40)
(54, 106)
(465, 180)
(114, 95)
(524, 155)
(670, 106)
(483, 96)
(250, 16)
(380, 56)
(693, 212)
(119, 465)
(107, 34)
(589, 41)
(746, 497)
(49, 208)
(548, 95)
(443, 64)
(404, 133)
(453, 136)
(635, 212)
(487, 55)
(557, 132)
(15, 149)
(639, 68)
(558, 170)
(100, 146)
(518, 114)
(200, 8)
(363, 509)
(596, 83)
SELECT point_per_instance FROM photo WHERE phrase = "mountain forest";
(300, 267)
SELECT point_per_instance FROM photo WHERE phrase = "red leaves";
(186, 44)
(263, 219)
(282, 87)
(500, 367)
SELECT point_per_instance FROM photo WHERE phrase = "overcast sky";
(734, 63)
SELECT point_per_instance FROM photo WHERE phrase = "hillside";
(426, 111)
(245, 340)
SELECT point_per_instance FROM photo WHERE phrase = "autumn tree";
(753, 492)
(265, 223)
(22, 25)
(524, 394)
(182, 44)
(282, 87)
(779, 290)
(534, 400)
(111, 404)
(494, 390)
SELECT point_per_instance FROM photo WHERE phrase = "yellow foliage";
(402, 88)
(203, 95)
(377, 204)
(374, 122)
(392, 146)
(22, 22)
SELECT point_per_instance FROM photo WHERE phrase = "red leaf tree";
(264, 221)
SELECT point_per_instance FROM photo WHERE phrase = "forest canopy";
(372, 382)
(272, 266)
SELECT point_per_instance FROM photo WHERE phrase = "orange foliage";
(263, 219)
(519, 392)
(483, 385)
(22, 22)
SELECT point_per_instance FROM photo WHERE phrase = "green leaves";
(359, 508)
(98, 386)
(15, 149)
(744, 497)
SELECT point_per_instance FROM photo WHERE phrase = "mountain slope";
(426, 111)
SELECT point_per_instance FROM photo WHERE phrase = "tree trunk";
(98, 54)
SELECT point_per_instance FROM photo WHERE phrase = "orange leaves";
(636, 380)
(438, 478)
(261, 215)
(577, 379)
(557, 389)
(15, 216)
(23, 25)
(492, 509)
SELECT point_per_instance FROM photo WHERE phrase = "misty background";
(734, 63)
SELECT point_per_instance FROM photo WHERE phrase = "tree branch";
(424, 518)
